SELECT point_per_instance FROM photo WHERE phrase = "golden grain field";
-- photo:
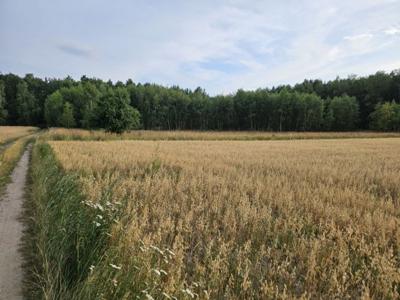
(242, 220)
(9, 157)
(81, 134)
(8, 133)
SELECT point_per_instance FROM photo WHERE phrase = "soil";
(11, 231)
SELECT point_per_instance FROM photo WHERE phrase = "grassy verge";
(64, 237)
(9, 158)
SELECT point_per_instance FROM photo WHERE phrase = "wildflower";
(115, 282)
(163, 272)
(98, 206)
(91, 268)
(115, 267)
(96, 223)
(149, 297)
(157, 272)
(188, 292)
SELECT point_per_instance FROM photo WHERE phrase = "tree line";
(353, 103)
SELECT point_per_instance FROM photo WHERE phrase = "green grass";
(62, 234)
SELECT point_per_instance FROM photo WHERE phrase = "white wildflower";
(149, 297)
(115, 282)
(115, 267)
(188, 292)
(157, 272)
(163, 272)
(98, 206)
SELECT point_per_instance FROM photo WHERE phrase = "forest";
(343, 104)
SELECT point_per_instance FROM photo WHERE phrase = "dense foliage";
(342, 104)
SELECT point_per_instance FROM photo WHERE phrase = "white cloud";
(358, 37)
(190, 42)
(392, 31)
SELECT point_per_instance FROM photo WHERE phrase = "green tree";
(386, 117)
(3, 111)
(345, 112)
(26, 106)
(118, 115)
(53, 109)
(328, 117)
(88, 109)
(67, 118)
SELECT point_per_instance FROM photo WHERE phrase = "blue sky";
(218, 45)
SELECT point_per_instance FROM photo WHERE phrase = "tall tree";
(26, 105)
(3, 111)
(386, 117)
(345, 112)
(53, 109)
(67, 118)
(118, 115)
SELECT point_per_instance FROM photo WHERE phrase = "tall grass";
(219, 220)
(9, 158)
(9, 133)
(63, 236)
(99, 135)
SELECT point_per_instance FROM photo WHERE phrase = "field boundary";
(152, 135)
(9, 157)
(66, 240)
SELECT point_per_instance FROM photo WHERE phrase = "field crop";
(8, 133)
(100, 135)
(226, 219)
(9, 158)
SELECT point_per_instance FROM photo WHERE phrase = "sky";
(219, 45)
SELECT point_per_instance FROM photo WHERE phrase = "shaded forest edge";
(354, 103)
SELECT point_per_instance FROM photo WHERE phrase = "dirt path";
(11, 231)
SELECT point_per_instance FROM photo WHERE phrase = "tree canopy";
(354, 103)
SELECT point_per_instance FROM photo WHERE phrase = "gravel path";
(11, 232)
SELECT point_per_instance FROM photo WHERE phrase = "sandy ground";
(11, 232)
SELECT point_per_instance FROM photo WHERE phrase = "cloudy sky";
(217, 44)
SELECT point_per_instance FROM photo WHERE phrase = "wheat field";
(100, 135)
(241, 220)
(8, 133)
